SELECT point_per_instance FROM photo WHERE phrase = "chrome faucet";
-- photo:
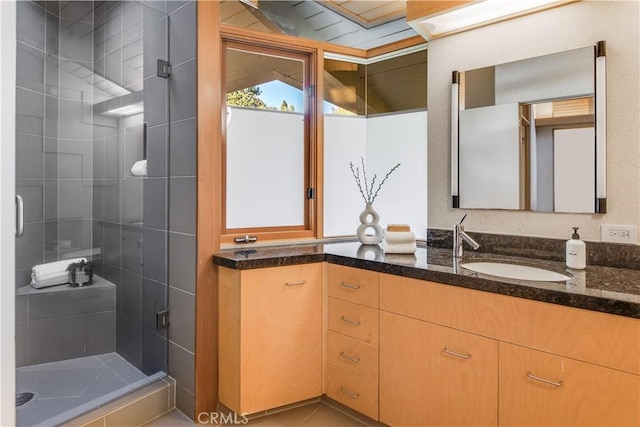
(458, 236)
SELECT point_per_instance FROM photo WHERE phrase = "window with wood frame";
(268, 173)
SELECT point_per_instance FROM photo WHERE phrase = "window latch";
(246, 239)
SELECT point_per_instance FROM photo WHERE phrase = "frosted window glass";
(265, 168)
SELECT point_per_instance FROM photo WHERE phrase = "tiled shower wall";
(54, 171)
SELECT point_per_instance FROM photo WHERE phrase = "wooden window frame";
(267, 46)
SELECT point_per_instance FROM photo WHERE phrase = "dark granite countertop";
(605, 289)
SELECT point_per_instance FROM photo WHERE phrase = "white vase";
(369, 221)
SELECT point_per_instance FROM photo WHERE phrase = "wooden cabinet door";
(404, 378)
(538, 388)
(431, 375)
(281, 336)
(463, 379)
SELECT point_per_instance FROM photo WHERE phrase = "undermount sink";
(515, 271)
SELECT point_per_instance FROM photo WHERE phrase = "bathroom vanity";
(419, 341)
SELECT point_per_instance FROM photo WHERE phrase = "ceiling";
(368, 24)
(363, 24)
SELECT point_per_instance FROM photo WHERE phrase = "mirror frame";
(600, 203)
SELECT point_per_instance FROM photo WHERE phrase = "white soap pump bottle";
(576, 251)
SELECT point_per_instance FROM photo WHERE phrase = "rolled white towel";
(400, 248)
(52, 281)
(51, 274)
(399, 237)
(53, 267)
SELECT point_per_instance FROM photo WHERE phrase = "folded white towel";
(400, 248)
(399, 237)
(139, 168)
(53, 273)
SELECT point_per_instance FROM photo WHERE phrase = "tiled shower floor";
(61, 386)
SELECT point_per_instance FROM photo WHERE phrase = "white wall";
(400, 138)
(383, 141)
(7, 212)
(563, 28)
(345, 139)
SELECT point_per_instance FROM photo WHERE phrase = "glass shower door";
(89, 107)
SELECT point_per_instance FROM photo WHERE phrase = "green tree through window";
(247, 97)
(250, 97)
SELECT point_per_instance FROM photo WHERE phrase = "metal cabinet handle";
(349, 358)
(348, 393)
(544, 380)
(19, 216)
(349, 286)
(349, 321)
(298, 283)
(455, 353)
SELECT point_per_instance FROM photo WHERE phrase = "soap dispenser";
(576, 251)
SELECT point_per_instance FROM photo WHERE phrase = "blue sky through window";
(274, 92)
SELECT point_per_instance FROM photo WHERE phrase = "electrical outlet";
(619, 233)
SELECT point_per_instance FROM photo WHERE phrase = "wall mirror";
(531, 134)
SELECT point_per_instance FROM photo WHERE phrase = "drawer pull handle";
(298, 283)
(544, 380)
(349, 286)
(349, 358)
(349, 321)
(348, 393)
(456, 354)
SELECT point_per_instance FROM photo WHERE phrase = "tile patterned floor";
(61, 386)
(313, 415)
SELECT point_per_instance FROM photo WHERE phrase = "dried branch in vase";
(368, 191)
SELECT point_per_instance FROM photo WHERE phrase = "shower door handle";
(19, 216)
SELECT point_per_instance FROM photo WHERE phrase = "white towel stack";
(51, 274)
(399, 239)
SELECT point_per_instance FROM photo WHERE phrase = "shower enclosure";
(91, 101)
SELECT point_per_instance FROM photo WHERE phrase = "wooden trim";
(319, 145)
(392, 47)
(272, 39)
(272, 235)
(419, 9)
(229, 307)
(208, 206)
(584, 120)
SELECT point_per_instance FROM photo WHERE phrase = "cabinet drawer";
(352, 284)
(352, 355)
(590, 336)
(538, 388)
(353, 391)
(355, 320)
